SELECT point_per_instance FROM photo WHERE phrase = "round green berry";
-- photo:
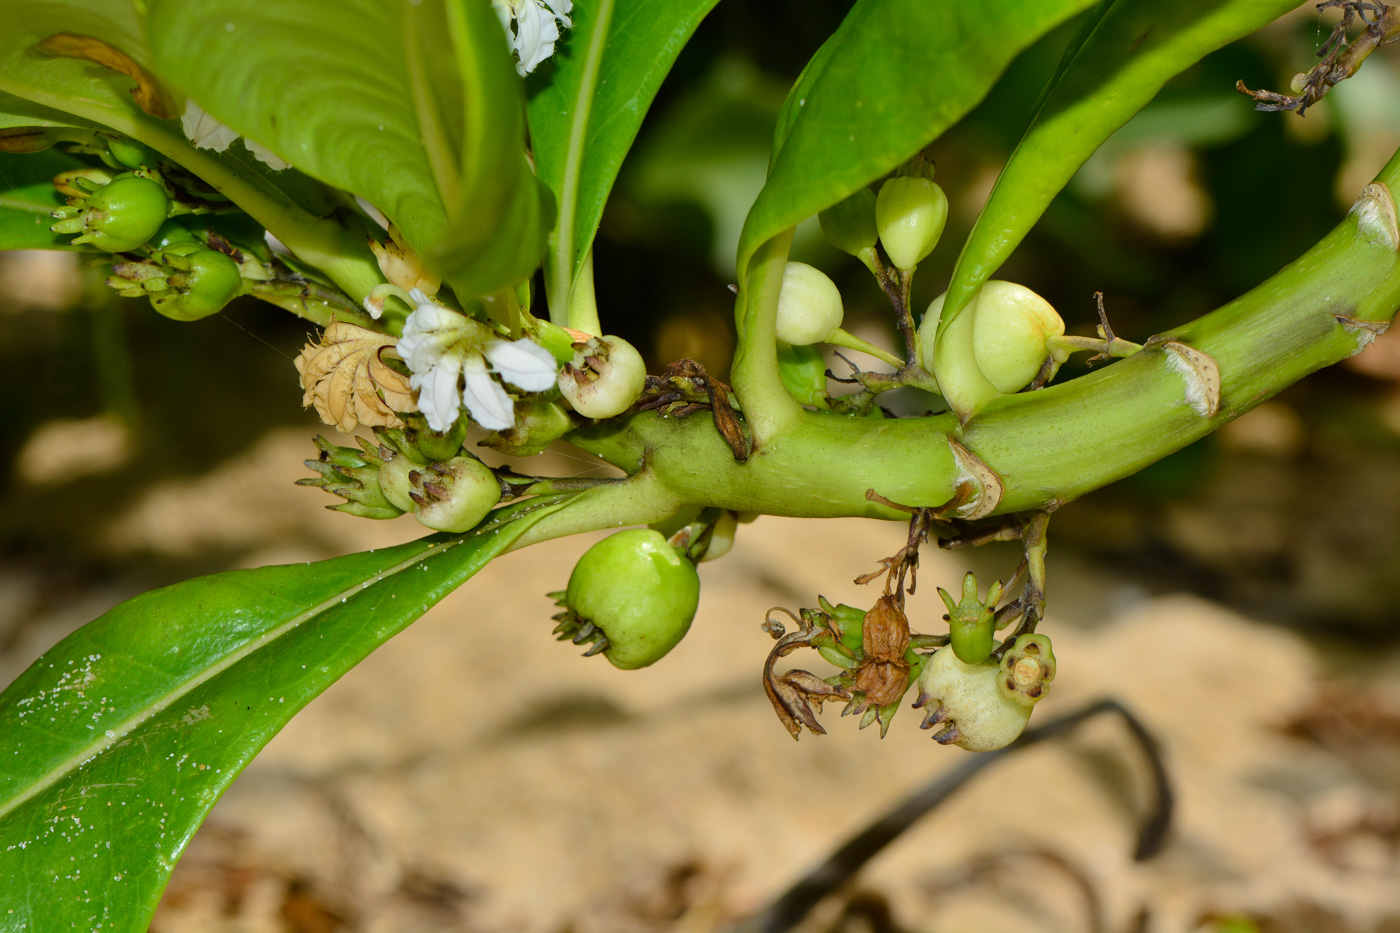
(639, 591)
(606, 376)
(119, 217)
(203, 281)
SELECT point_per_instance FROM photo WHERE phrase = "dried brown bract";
(346, 379)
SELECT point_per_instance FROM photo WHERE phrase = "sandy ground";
(476, 775)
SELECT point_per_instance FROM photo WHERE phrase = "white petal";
(487, 402)
(203, 130)
(429, 335)
(523, 363)
(536, 33)
(561, 9)
(437, 393)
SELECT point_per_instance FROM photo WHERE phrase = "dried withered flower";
(345, 377)
(402, 266)
(883, 674)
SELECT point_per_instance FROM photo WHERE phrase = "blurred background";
(1240, 596)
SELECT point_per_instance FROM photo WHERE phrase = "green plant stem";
(583, 302)
(766, 404)
(639, 500)
(1048, 446)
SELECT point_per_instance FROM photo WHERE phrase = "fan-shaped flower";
(442, 346)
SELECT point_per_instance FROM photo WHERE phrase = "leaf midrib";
(573, 159)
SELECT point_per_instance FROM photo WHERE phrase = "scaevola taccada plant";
(431, 218)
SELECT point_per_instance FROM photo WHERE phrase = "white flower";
(207, 133)
(440, 346)
(536, 29)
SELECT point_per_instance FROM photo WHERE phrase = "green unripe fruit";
(606, 376)
(985, 706)
(910, 213)
(539, 422)
(639, 591)
(809, 306)
(119, 217)
(453, 496)
(1010, 333)
(850, 225)
(204, 281)
(394, 481)
(172, 233)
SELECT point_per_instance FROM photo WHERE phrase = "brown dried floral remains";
(345, 377)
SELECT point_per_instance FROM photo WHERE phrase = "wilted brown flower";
(402, 266)
(346, 378)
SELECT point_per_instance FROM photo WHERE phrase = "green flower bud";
(119, 217)
(455, 495)
(539, 422)
(606, 376)
(910, 213)
(971, 622)
(809, 306)
(985, 706)
(129, 153)
(850, 224)
(353, 475)
(202, 282)
(1009, 334)
(432, 445)
(634, 595)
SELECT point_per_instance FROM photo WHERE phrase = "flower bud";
(985, 706)
(910, 213)
(850, 224)
(119, 217)
(971, 622)
(353, 475)
(1009, 334)
(809, 306)
(721, 536)
(633, 594)
(129, 153)
(606, 376)
(454, 495)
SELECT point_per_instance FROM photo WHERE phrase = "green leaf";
(585, 116)
(1122, 56)
(16, 111)
(119, 740)
(413, 106)
(28, 197)
(344, 91)
(502, 214)
(894, 76)
(102, 97)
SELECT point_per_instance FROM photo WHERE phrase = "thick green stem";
(758, 386)
(640, 500)
(1048, 446)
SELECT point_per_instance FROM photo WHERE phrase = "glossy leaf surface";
(413, 106)
(894, 76)
(587, 105)
(120, 739)
(1122, 56)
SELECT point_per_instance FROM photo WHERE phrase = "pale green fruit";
(985, 706)
(809, 305)
(1009, 334)
(639, 590)
(606, 376)
(910, 213)
(454, 495)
